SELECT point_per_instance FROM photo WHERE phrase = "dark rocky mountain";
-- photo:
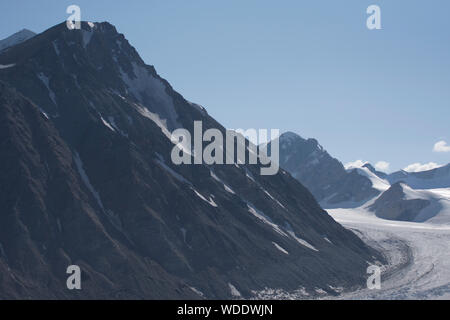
(323, 175)
(87, 179)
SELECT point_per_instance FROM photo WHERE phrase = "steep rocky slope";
(87, 179)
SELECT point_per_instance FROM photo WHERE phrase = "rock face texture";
(86, 179)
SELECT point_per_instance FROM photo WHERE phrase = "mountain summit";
(16, 38)
(322, 174)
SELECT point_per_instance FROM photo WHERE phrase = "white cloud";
(441, 146)
(355, 164)
(382, 165)
(417, 167)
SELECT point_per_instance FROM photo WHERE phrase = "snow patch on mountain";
(151, 93)
(161, 123)
(299, 240)
(112, 121)
(85, 179)
(280, 248)
(210, 201)
(271, 197)
(377, 182)
(176, 175)
(234, 292)
(226, 187)
(6, 66)
(46, 81)
(265, 219)
(197, 292)
(107, 124)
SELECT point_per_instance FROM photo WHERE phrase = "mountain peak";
(369, 166)
(16, 38)
(290, 134)
(25, 31)
(290, 137)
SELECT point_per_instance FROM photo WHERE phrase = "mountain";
(323, 175)
(431, 179)
(16, 38)
(87, 179)
(401, 202)
(415, 196)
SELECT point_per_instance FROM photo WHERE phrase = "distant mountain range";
(16, 38)
(411, 196)
(87, 179)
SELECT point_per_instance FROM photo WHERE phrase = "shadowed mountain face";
(87, 179)
(322, 174)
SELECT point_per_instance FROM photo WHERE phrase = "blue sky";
(311, 67)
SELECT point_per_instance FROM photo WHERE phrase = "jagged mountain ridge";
(322, 174)
(430, 179)
(104, 193)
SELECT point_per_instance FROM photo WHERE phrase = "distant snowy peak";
(16, 38)
(380, 174)
(431, 179)
(377, 182)
(356, 164)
